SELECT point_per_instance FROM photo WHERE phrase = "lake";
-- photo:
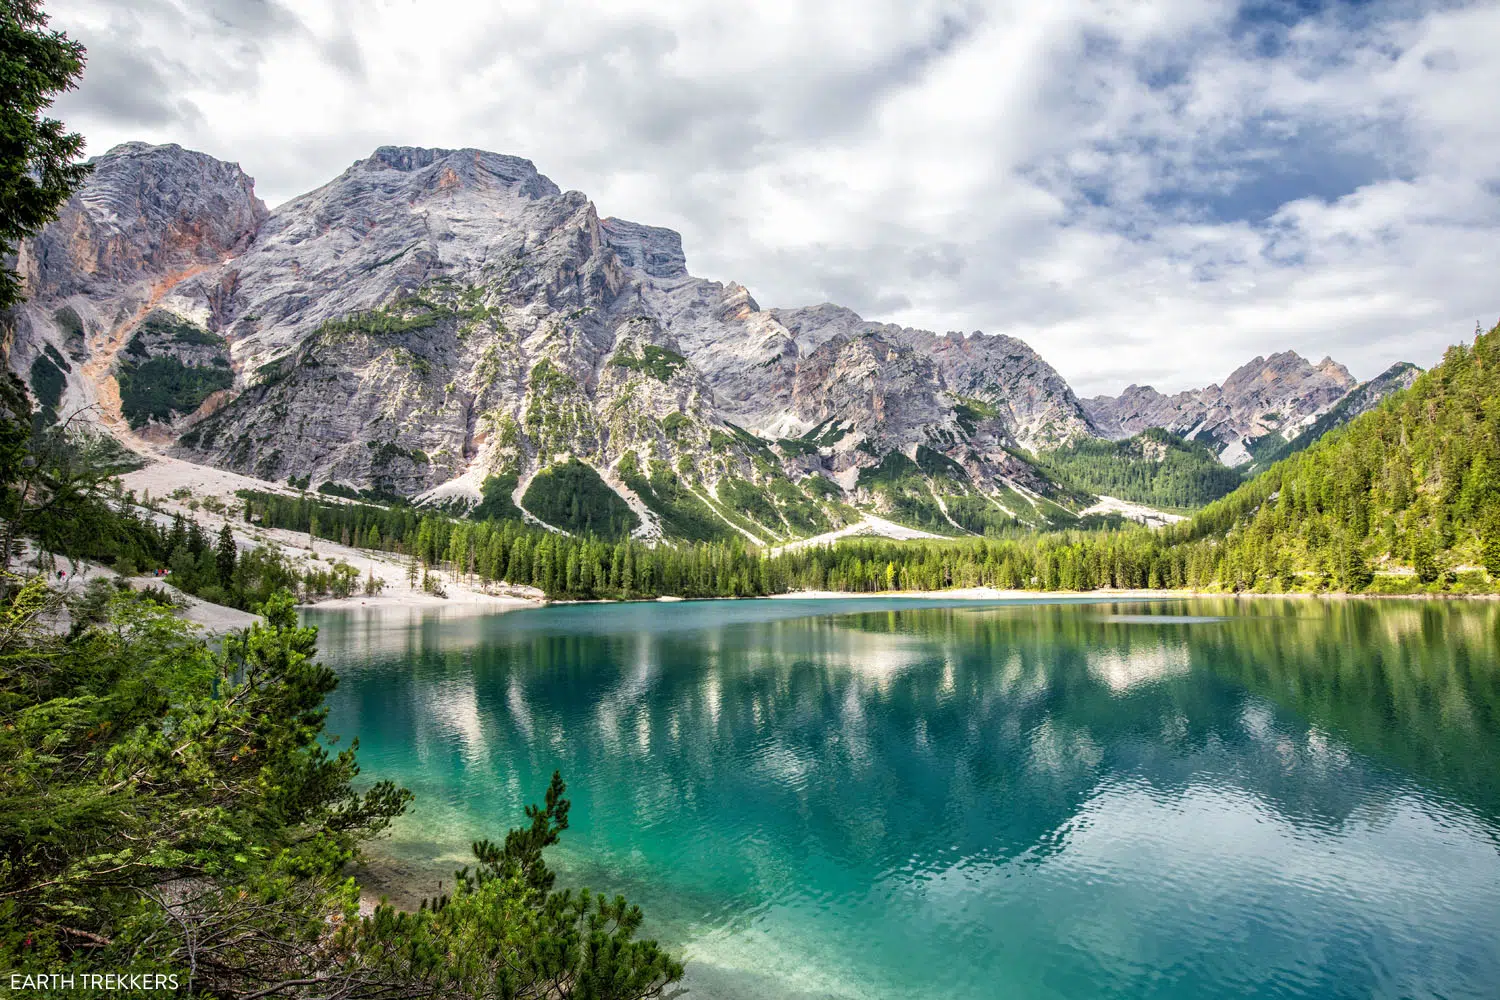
(926, 799)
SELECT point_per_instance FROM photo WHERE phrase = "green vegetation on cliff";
(902, 492)
(47, 380)
(683, 514)
(163, 387)
(495, 499)
(405, 316)
(658, 362)
(160, 326)
(936, 494)
(571, 496)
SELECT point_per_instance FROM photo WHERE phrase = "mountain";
(1404, 497)
(450, 324)
(150, 219)
(452, 327)
(1361, 399)
(1273, 396)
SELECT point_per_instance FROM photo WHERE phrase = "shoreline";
(1104, 593)
(470, 602)
(482, 604)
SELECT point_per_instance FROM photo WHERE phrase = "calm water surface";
(855, 799)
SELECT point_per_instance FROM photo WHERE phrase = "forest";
(1154, 467)
(1404, 498)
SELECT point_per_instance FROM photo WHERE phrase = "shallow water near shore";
(916, 798)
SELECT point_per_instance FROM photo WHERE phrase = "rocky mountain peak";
(812, 326)
(652, 249)
(1288, 364)
(406, 158)
(128, 148)
(146, 211)
(1335, 371)
(433, 317)
(443, 170)
(1277, 394)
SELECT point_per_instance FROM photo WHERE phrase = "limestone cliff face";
(150, 221)
(1361, 399)
(1033, 402)
(146, 212)
(432, 322)
(1278, 395)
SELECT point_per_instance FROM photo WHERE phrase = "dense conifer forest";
(1154, 467)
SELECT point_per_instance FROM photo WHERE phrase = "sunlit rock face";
(146, 212)
(438, 319)
(1279, 395)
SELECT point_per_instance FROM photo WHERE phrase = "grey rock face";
(150, 221)
(1361, 399)
(1278, 395)
(432, 318)
(147, 211)
(1368, 395)
(657, 252)
(1036, 405)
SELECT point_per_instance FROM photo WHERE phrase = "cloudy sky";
(1148, 192)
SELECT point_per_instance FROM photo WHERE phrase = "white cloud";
(1149, 192)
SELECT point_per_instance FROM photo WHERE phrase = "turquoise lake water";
(914, 799)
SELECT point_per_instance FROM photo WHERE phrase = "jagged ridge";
(449, 323)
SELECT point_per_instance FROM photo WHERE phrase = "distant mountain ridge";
(1361, 399)
(449, 324)
(1277, 395)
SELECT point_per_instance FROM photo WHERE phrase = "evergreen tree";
(225, 554)
(38, 171)
(169, 808)
(1491, 550)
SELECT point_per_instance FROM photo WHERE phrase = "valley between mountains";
(449, 328)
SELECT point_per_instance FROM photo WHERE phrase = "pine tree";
(37, 170)
(1490, 552)
(1423, 557)
(225, 554)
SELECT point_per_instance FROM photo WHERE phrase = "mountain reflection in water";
(1039, 799)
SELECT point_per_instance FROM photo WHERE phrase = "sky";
(1145, 192)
